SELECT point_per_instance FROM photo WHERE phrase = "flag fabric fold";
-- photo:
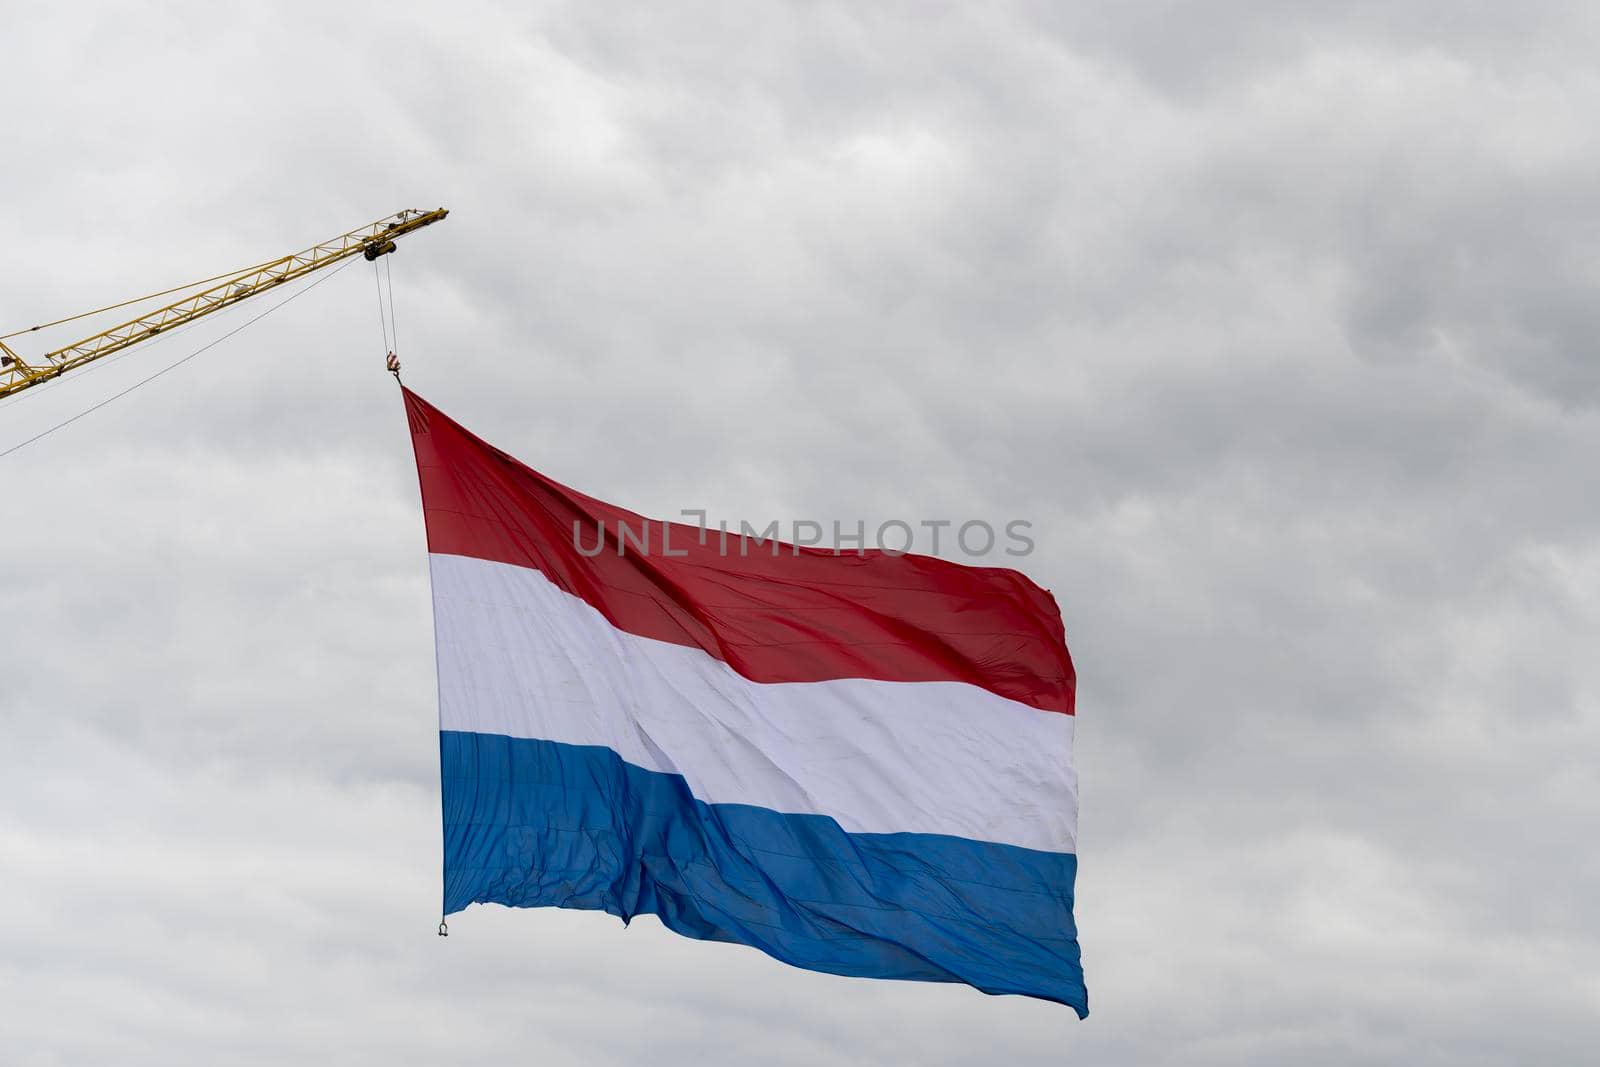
(857, 762)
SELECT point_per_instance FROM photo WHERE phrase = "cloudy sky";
(1278, 324)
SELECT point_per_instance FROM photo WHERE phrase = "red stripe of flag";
(803, 615)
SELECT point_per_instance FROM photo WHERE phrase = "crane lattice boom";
(371, 241)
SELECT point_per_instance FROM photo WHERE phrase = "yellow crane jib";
(370, 241)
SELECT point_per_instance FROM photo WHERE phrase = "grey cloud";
(1273, 319)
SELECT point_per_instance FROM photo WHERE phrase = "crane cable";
(391, 336)
(394, 331)
(176, 363)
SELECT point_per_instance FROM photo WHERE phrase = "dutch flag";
(855, 761)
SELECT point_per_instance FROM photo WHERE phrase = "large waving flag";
(859, 763)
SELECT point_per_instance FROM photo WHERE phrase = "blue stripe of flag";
(533, 823)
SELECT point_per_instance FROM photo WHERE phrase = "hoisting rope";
(176, 363)
(391, 334)
(394, 331)
(383, 323)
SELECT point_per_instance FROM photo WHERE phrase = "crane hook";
(393, 363)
